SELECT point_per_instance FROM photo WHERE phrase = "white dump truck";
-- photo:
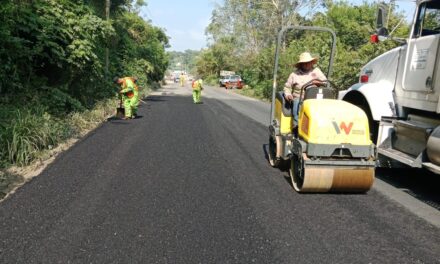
(400, 92)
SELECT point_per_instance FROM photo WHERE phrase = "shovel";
(120, 111)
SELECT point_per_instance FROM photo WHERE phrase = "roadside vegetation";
(243, 36)
(55, 78)
(59, 58)
(183, 61)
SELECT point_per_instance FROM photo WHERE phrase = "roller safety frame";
(329, 150)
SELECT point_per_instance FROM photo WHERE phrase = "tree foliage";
(183, 61)
(138, 49)
(53, 55)
(53, 51)
(243, 39)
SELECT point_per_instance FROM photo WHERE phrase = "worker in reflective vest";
(182, 79)
(197, 87)
(130, 95)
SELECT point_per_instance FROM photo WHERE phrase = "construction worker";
(135, 103)
(197, 87)
(305, 72)
(182, 79)
(130, 95)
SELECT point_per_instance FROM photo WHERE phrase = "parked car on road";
(222, 80)
(233, 81)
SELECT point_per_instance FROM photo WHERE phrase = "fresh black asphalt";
(188, 183)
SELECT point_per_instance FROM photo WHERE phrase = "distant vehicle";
(233, 81)
(176, 79)
(222, 80)
(226, 73)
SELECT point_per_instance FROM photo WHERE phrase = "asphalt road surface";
(188, 183)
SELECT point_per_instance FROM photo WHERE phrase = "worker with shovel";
(130, 95)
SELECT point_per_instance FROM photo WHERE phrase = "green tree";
(185, 61)
(53, 55)
(253, 26)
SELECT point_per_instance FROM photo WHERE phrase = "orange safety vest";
(197, 84)
(124, 86)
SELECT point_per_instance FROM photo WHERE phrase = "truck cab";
(418, 75)
(400, 92)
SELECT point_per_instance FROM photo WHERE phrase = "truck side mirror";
(382, 14)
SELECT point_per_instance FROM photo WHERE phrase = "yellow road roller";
(329, 149)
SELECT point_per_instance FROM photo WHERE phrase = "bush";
(59, 102)
(53, 77)
(27, 133)
(264, 89)
(211, 80)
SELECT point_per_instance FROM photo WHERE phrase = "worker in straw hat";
(305, 72)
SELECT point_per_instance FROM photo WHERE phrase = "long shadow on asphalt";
(420, 184)
(118, 121)
(154, 98)
(114, 118)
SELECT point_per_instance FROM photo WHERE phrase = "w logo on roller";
(342, 126)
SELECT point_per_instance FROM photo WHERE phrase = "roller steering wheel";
(310, 83)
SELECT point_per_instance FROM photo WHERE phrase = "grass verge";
(247, 91)
(30, 138)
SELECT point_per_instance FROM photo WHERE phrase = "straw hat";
(306, 57)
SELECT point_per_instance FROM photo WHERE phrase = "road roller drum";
(322, 179)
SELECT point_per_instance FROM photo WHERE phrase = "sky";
(185, 21)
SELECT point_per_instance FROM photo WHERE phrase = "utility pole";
(107, 18)
(390, 9)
